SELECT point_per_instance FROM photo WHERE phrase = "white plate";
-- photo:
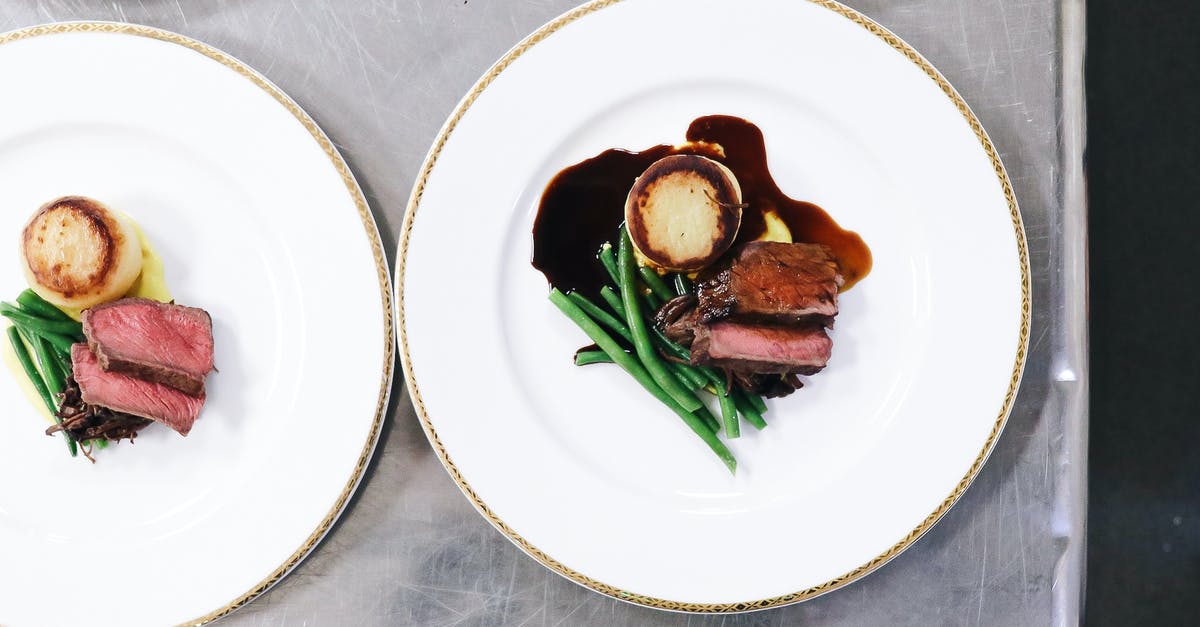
(260, 222)
(580, 467)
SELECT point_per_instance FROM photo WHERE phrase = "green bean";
(695, 374)
(718, 378)
(746, 403)
(655, 283)
(684, 381)
(753, 401)
(688, 376)
(696, 377)
(52, 368)
(616, 298)
(692, 380)
(59, 342)
(38, 306)
(613, 300)
(601, 316)
(69, 328)
(58, 348)
(603, 340)
(751, 406)
(638, 371)
(60, 356)
(609, 260)
(648, 298)
(64, 357)
(710, 420)
(641, 337)
(651, 301)
(741, 400)
(683, 285)
(47, 364)
(674, 349)
(585, 358)
(729, 414)
(757, 402)
(39, 384)
(31, 371)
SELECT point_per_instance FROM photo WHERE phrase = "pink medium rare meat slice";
(132, 396)
(762, 348)
(773, 282)
(159, 342)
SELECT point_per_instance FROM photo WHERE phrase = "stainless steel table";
(381, 75)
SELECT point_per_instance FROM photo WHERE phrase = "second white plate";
(259, 222)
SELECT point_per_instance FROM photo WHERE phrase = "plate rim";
(1022, 349)
(382, 269)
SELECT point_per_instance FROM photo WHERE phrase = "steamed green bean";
(641, 336)
(638, 371)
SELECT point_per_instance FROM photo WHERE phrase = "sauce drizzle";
(584, 205)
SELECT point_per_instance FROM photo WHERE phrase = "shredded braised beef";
(84, 422)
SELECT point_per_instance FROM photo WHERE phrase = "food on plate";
(152, 341)
(111, 353)
(38, 351)
(683, 212)
(761, 348)
(81, 422)
(765, 312)
(129, 395)
(772, 282)
(584, 204)
(77, 253)
(720, 286)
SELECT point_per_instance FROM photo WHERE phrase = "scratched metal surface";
(381, 75)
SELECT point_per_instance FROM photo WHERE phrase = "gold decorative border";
(1018, 367)
(364, 213)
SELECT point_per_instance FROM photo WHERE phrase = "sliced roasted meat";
(132, 396)
(761, 317)
(762, 348)
(773, 282)
(152, 341)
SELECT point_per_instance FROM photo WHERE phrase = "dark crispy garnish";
(84, 422)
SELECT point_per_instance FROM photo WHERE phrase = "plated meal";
(96, 340)
(718, 283)
(229, 187)
(868, 232)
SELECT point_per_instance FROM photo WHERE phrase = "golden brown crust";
(73, 278)
(661, 255)
(710, 185)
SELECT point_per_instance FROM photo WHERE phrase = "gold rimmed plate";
(583, 470)
(259, 221)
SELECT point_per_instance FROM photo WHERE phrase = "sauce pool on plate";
(584, 204)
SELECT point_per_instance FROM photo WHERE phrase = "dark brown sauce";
(584, 205)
